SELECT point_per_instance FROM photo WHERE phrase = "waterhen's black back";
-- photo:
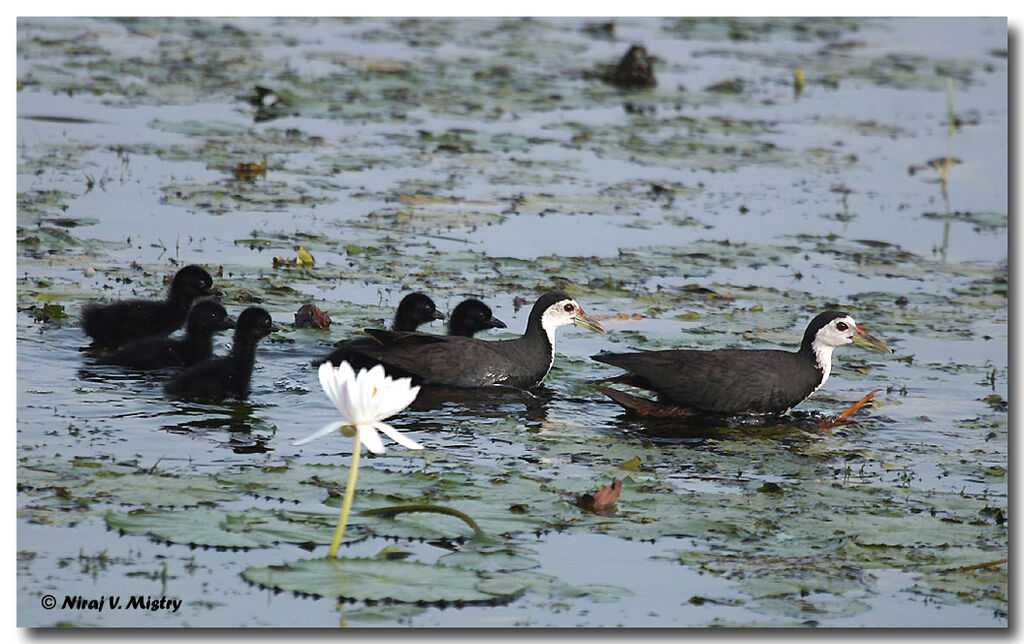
(204, 320)
(228, 376)
(120, 322)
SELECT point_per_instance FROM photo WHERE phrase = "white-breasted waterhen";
(456, 361)
(735, 381)
(469, 317)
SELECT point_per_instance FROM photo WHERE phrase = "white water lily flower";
(364, 401)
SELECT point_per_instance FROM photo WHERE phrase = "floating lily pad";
(155, 490)
(496, 561)
(104, 482)
(550, 586)
(980, 219)
(222, 198)
(380, 580)
(389, 613)
(310, 482)
(251, 528)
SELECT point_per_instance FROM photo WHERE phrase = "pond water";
(723, 207)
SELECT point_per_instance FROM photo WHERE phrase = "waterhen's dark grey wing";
(723, 381)
(454, 361)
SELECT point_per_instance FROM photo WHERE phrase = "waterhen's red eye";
(841, 326)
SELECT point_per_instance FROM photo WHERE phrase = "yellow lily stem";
(346, 503)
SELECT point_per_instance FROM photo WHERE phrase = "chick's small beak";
(587, 322)
(495, 323)
(864, 339)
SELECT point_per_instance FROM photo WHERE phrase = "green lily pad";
(48, 312)
(380, 580)
(86, 481)
(155, 490)
(232, 197)
(320, 482)
(989, 220)
(913, 531)
(813, 608)
(497, 561)
(250, 528)
(550, 586)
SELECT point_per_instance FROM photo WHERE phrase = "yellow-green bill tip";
(864, 339)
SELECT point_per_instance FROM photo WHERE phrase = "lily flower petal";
(320, 433)
(347, 403)
(400, 400)
(397, 436)
(334, 380)
(370, 438)
(373, 389)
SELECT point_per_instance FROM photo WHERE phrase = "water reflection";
(233, 425)
(696, 429)
(440, 407)
(124, 380)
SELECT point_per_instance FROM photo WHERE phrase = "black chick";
(205, 319)
(471, 316)
(414, 309)
(228, 376)
(121, 322)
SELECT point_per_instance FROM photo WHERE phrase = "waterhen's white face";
(836, 333)
(844, 330)
(564, 312)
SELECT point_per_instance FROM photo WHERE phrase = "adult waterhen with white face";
(456, 361)
(735, 381)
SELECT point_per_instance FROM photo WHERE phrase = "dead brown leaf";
(603, 501)
(309, 316)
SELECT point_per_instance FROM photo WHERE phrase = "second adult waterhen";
(457, 361)
(735, 381)
(468, 318)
